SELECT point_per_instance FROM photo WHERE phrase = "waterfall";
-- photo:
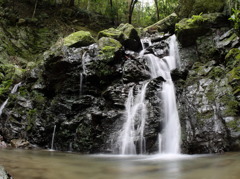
(53, 136)
(14, 90)
(135, 115)
(169, 140)
(85, 58)
(136, 110)
(81, 84)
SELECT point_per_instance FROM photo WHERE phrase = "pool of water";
(33, 164)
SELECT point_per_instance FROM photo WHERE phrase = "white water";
(53, 136)
(81, 84)
(136, 110)
(135, 115)
(170, 137)
(14, 90)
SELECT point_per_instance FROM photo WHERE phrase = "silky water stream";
(136, 110)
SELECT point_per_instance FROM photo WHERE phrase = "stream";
(39, 164)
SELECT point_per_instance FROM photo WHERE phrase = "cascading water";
(169, 140)
(53, 136)
(14, 90)
(136, 110)
(135, 115)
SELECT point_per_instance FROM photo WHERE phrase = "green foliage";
(231, 105)
(5, 86)
(233, 58)
(235, 18)
(196, 19)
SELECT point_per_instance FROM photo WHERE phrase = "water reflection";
(54, 165)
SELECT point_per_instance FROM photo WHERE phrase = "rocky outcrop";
(4, 174)
(189, 29)
(208, 103)
(78, 39)
(126, 34)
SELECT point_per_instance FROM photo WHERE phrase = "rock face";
(83, 89)
(208, 101)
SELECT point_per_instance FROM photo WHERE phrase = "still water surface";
(24, 164)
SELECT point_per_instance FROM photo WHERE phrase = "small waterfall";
(53, 136)
(170, 137)
(146, 42)
(85, 57)
(14, 90)
(81, 84)
(136, 110)
(135, 115)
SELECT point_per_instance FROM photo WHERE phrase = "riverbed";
(40, 164)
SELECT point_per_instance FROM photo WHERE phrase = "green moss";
(78, 39)
(5, 86)
(112, 33)
(108, 47)
(217, 72)
(234, 125)
(31, 117)
(196, 19)
(231, 105)
(233, 58)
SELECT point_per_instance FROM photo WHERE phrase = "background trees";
(137, 12)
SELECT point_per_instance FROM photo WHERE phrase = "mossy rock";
(129, 31)
(165, 25)
(189, 29)
(78, 39)
(187, 33)
(233, 58)
(112, 33)
(131, 37)
(234, 80)
(108, 46)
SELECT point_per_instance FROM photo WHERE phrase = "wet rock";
(4, 174)
(124, 33)
(131, 38)
(108, 46)
(19, 143)
(112, 33)
(134, 71)
(189, 29)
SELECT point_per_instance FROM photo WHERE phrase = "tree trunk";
(88, 5)
(35, 7)
(112, 13)
(71, 3)
(157, 9)
(131, 8)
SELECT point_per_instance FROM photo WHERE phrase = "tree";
(157, 9)
(71, 3)
(131, 8)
